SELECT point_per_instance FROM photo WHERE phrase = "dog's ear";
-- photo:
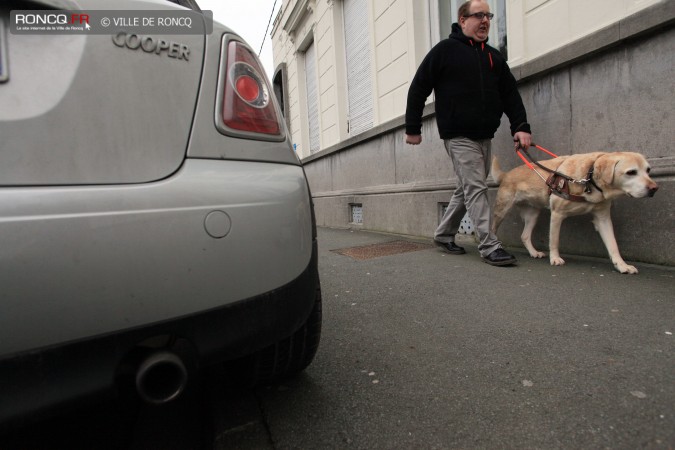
(605, 166)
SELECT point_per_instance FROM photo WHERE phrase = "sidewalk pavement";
(580, 277)
(444, 351)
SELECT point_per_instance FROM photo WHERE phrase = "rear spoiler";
(190, 4)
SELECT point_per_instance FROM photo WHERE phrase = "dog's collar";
(589, 181)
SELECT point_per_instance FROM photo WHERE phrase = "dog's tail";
(496, 171)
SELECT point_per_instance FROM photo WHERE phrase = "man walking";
(474, 87)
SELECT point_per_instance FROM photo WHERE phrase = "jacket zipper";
(480, 73)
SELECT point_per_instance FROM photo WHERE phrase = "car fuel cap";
(217, 224)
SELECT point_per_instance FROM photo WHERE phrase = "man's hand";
(413, 139)
(522, 139)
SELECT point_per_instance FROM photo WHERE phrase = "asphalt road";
(428, 350)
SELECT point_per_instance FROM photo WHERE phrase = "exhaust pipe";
(161, 377)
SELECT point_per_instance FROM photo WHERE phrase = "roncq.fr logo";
(51, 19)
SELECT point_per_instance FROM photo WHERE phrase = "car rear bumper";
(87, 261)
(46, 379)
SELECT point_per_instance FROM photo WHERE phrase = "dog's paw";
(557, 261)
(538, 255)
(625, 268)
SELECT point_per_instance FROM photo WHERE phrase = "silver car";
(154, 218)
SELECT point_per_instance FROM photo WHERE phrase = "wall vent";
(356, 213)
(465, 227)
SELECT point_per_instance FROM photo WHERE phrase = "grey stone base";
(639, 224)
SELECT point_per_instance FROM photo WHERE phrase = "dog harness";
(559, 183)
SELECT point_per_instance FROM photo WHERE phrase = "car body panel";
(116, 137)
(81, 261)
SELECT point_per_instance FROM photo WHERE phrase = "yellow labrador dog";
(598, 178)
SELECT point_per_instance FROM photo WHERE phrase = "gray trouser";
(472, 164)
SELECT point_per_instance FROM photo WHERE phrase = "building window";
(447, 13)
(312, 99)
(358, 55)
(280, 87)
(278, 84)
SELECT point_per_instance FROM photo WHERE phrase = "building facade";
(594, 76)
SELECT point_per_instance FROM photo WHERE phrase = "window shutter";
(357, 47)
(312, 99)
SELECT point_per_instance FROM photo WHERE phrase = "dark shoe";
(450, 247)
(500, 257)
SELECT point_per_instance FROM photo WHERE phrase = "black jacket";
(473, 86)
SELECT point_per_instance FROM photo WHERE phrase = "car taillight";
(247, 105)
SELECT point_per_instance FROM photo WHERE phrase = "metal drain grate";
(383, 249)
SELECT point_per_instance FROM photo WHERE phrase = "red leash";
(529, 164)
(544, 150)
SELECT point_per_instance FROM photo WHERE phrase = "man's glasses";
(480, 15)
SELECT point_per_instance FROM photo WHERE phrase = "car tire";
(283, 359)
